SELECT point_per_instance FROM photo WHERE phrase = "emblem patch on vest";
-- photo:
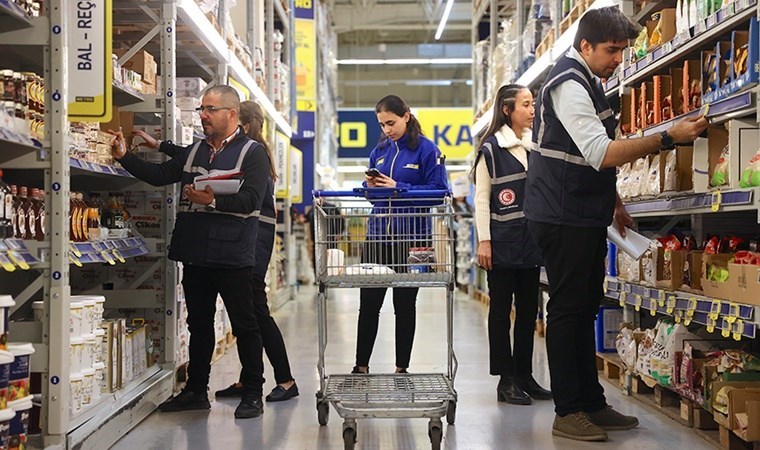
(507, 197)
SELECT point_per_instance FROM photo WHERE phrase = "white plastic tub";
(6, 415)
(6, 302)
(6, 361)
(19, 428)
(77, 349)
(18, 382)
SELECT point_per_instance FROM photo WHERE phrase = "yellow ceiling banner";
(449, 128)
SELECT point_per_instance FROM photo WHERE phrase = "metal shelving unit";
(41, 44)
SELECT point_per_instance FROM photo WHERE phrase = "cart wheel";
(451, 413)
(349, 438)
(323, 413)
(436, 436)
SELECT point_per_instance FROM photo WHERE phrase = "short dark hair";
(230, 97)
(605, 25)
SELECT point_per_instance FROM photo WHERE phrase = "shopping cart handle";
(383, 193)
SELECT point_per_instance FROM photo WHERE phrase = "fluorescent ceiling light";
(403, 61)
(444, 19)
(428, 83)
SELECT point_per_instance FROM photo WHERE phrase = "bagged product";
(652, 183)
(640, 46)
(628, 268)
(624, 180)
(669, 174)
(644, 353)
(751, 175)
(627, 347)
(720, 173)
(649, 267)
(638, 173)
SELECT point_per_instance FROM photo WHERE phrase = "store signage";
(305, 38)
(449, 128)
(296, 175)
(281, 164)
(89, 55)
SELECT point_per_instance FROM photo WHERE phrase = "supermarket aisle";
(482, 423)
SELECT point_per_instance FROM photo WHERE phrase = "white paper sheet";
(633, 243)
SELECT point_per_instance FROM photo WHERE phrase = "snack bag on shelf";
(624, 181)
(644, 353)
(751, 175)
(628, 268)
(669, 173)
(640, 46)
(652, 183)
(720, 173)
(649, 266)
(638, 177)
(626, 347)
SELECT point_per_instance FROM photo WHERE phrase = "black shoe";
(186, 400)
(279, 393)
(357, 370)
(232, 391)
(532, 388)
(508, 391)
(250, 406)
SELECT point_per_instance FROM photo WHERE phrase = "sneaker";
(186, 400)
(577, 426)
(280, 394)
(611, 420)
(233, 391)
(250, 406)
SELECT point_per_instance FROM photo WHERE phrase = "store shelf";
(611, 86)
(733, 319)
(109, 251)
(12, 17)
(720, 23)
(14, 145)
(191, 15)
(742, 104)
(15, 253)
(124, 95)
(82, 166)
(703, 203)
(645, 13)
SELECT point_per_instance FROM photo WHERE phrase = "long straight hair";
(252, 115)
(506, 96)
(394, 104)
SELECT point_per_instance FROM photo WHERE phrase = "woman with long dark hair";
(506, 249)
(404, 158)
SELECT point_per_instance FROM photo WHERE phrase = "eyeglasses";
(210, 109)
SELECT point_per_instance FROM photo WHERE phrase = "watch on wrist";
(211, 206)
(666, 141)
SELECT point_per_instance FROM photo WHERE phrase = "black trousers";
(574, 260)
(271, 337)
(503, 284)
(371, 300)
(201, 285)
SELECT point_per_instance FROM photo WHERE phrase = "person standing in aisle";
(215, 238)
(252, 121)
(404, 158)
(506, 249)
(570, 201)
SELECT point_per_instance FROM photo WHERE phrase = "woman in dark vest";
(506, 249)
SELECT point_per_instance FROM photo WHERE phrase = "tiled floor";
(481, 423)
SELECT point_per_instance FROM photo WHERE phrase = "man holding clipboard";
(214, 237)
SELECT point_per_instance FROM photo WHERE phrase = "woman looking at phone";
(405, 159)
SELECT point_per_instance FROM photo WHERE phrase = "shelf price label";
(652, 307)
(738, 329)
(715, 201)
(118, 256)
(73, 249)
(733, 312)
(637, 302)
(107, 257)
(715, 310)
(678, 315)
(74, 260)
(711, 323)
(671, 304)
(692, 306)
(667, 47)
(6, 263)
(90, 67)
(17, 259)
(661, 296)
(606, 285)
(623, 296)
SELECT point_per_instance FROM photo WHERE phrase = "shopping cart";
(385, 237)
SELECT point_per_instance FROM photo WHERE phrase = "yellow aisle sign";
(449, 128)
(90, 70)
(282, 164)
(306, 62)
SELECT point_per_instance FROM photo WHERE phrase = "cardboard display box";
(646, 104)
(676, 91)
(143, 63)
(723, 50)
(743, 142)
(663, 109)
(706, 155)
(744, 71)
(684, 172)
(692, 85)
(710, 82)
(672, 262)
(744, 283)
(666, 27)
(713, 288)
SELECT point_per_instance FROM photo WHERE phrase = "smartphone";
(373, 172)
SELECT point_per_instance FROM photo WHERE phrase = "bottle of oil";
(6, 209)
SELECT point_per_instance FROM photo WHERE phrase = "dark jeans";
(271, 336)
(574, 260)
(371, 300)
(502, 285)
(201, 285)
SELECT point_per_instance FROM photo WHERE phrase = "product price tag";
(715, 201)
(738, 330)
(606, 286)
(711, 323)
(712, 20)
(74, 260)
(637, 303)
(733, 312)
(730, 9)
(6, 263)
(687, 319)
(671, 304)
(649, 59)
(678, 315)
(742, 4)
(118, 256)
(692, 306)
(107, 257)
(652, 307)
(18, 259)
(623, 296)
(661, 298)
(667, 48)
(715, 310)
(73, 249)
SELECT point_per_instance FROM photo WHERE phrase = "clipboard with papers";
(223, 182)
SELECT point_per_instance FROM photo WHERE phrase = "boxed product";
(745, 55)
(646, 104)
(692, 85)
(607, 325)
(676, 169)
(662, 27)
(743, 142)
(663, 107)
(723, 51)
(190, 87)
(709, 62)
(744, 283)
(143, 63)
(676, 92)
(707, 152)
(715, 275)
(188, 103)
(627, 124)
(110, 346)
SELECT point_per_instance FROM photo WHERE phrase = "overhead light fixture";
(428, 82)
(404, 61)
(444, 19)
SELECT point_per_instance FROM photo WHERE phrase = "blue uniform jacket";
(419, 168)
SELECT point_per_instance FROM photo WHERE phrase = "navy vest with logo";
(265, 238)
(512, 246)
(563, 188)
(214, 238)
